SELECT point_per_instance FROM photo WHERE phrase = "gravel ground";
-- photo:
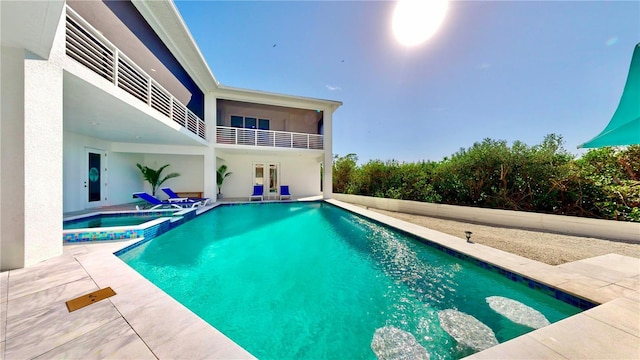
(553, 249)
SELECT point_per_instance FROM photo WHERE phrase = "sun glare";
(415, 21)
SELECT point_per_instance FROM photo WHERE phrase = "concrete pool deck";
(141, 321)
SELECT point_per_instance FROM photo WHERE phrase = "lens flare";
(611, 41)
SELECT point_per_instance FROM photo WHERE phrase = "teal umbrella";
(624, 127)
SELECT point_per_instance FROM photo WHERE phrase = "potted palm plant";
(153, 177)
(221, 175)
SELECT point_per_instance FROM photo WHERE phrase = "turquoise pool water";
(312, 281)
(105, 220)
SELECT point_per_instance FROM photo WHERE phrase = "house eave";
(30, 25)
(270, 98)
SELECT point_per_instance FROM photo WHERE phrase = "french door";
(267, 174)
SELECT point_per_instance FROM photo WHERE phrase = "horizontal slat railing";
(179, 113)
(87, 46)
(88, 51)
(160, 101)
(269, 138)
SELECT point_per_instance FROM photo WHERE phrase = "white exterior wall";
(327, 180)
(43, 152)
(122, 176)
(32, 154)
(12, 164)
(210, 161)
(302, 174)
(190, 168)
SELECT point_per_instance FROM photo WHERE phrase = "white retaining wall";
(570, 225)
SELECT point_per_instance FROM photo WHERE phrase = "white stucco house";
(90, 88)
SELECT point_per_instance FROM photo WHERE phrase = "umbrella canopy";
(624, 127)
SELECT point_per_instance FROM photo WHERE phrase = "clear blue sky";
(508, 70)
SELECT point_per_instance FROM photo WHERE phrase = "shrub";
(604, 183)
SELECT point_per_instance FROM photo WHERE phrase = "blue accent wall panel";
(127, 13)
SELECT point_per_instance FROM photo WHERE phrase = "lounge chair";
(284, 192)
(157, 203)
(173, 197)
(257, 192)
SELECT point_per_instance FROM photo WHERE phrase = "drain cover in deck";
(88, 299)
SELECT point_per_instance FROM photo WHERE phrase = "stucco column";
(210, 117)
(327, 180)
(12, 158)
(31, 155)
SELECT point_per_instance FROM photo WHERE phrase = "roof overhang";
(222, 151)
(30, 25)
(269, 98)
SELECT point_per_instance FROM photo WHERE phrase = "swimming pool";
(310, 280)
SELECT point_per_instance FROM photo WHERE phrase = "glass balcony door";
(268, 175)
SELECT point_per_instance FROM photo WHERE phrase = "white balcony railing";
(268, 138)
(87, 46)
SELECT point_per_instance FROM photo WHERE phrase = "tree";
(221, 175)
(153, 177)
(343, 168)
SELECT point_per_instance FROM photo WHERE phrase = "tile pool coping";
(147, 230)
(548, 275)
(159, 327)
(576, 301)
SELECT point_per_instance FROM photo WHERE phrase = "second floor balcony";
(90, 48)
(268, 138)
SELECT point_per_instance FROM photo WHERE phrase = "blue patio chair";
(284, 192)
(257, 192)
(157, 203)
(173, 197)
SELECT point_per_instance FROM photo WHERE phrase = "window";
(258, 176)
(237, 121)
(249, 122)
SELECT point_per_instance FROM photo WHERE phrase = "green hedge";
(603, 183)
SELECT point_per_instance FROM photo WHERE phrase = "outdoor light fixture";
(468, 235)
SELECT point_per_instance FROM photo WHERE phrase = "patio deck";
(143, 322)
